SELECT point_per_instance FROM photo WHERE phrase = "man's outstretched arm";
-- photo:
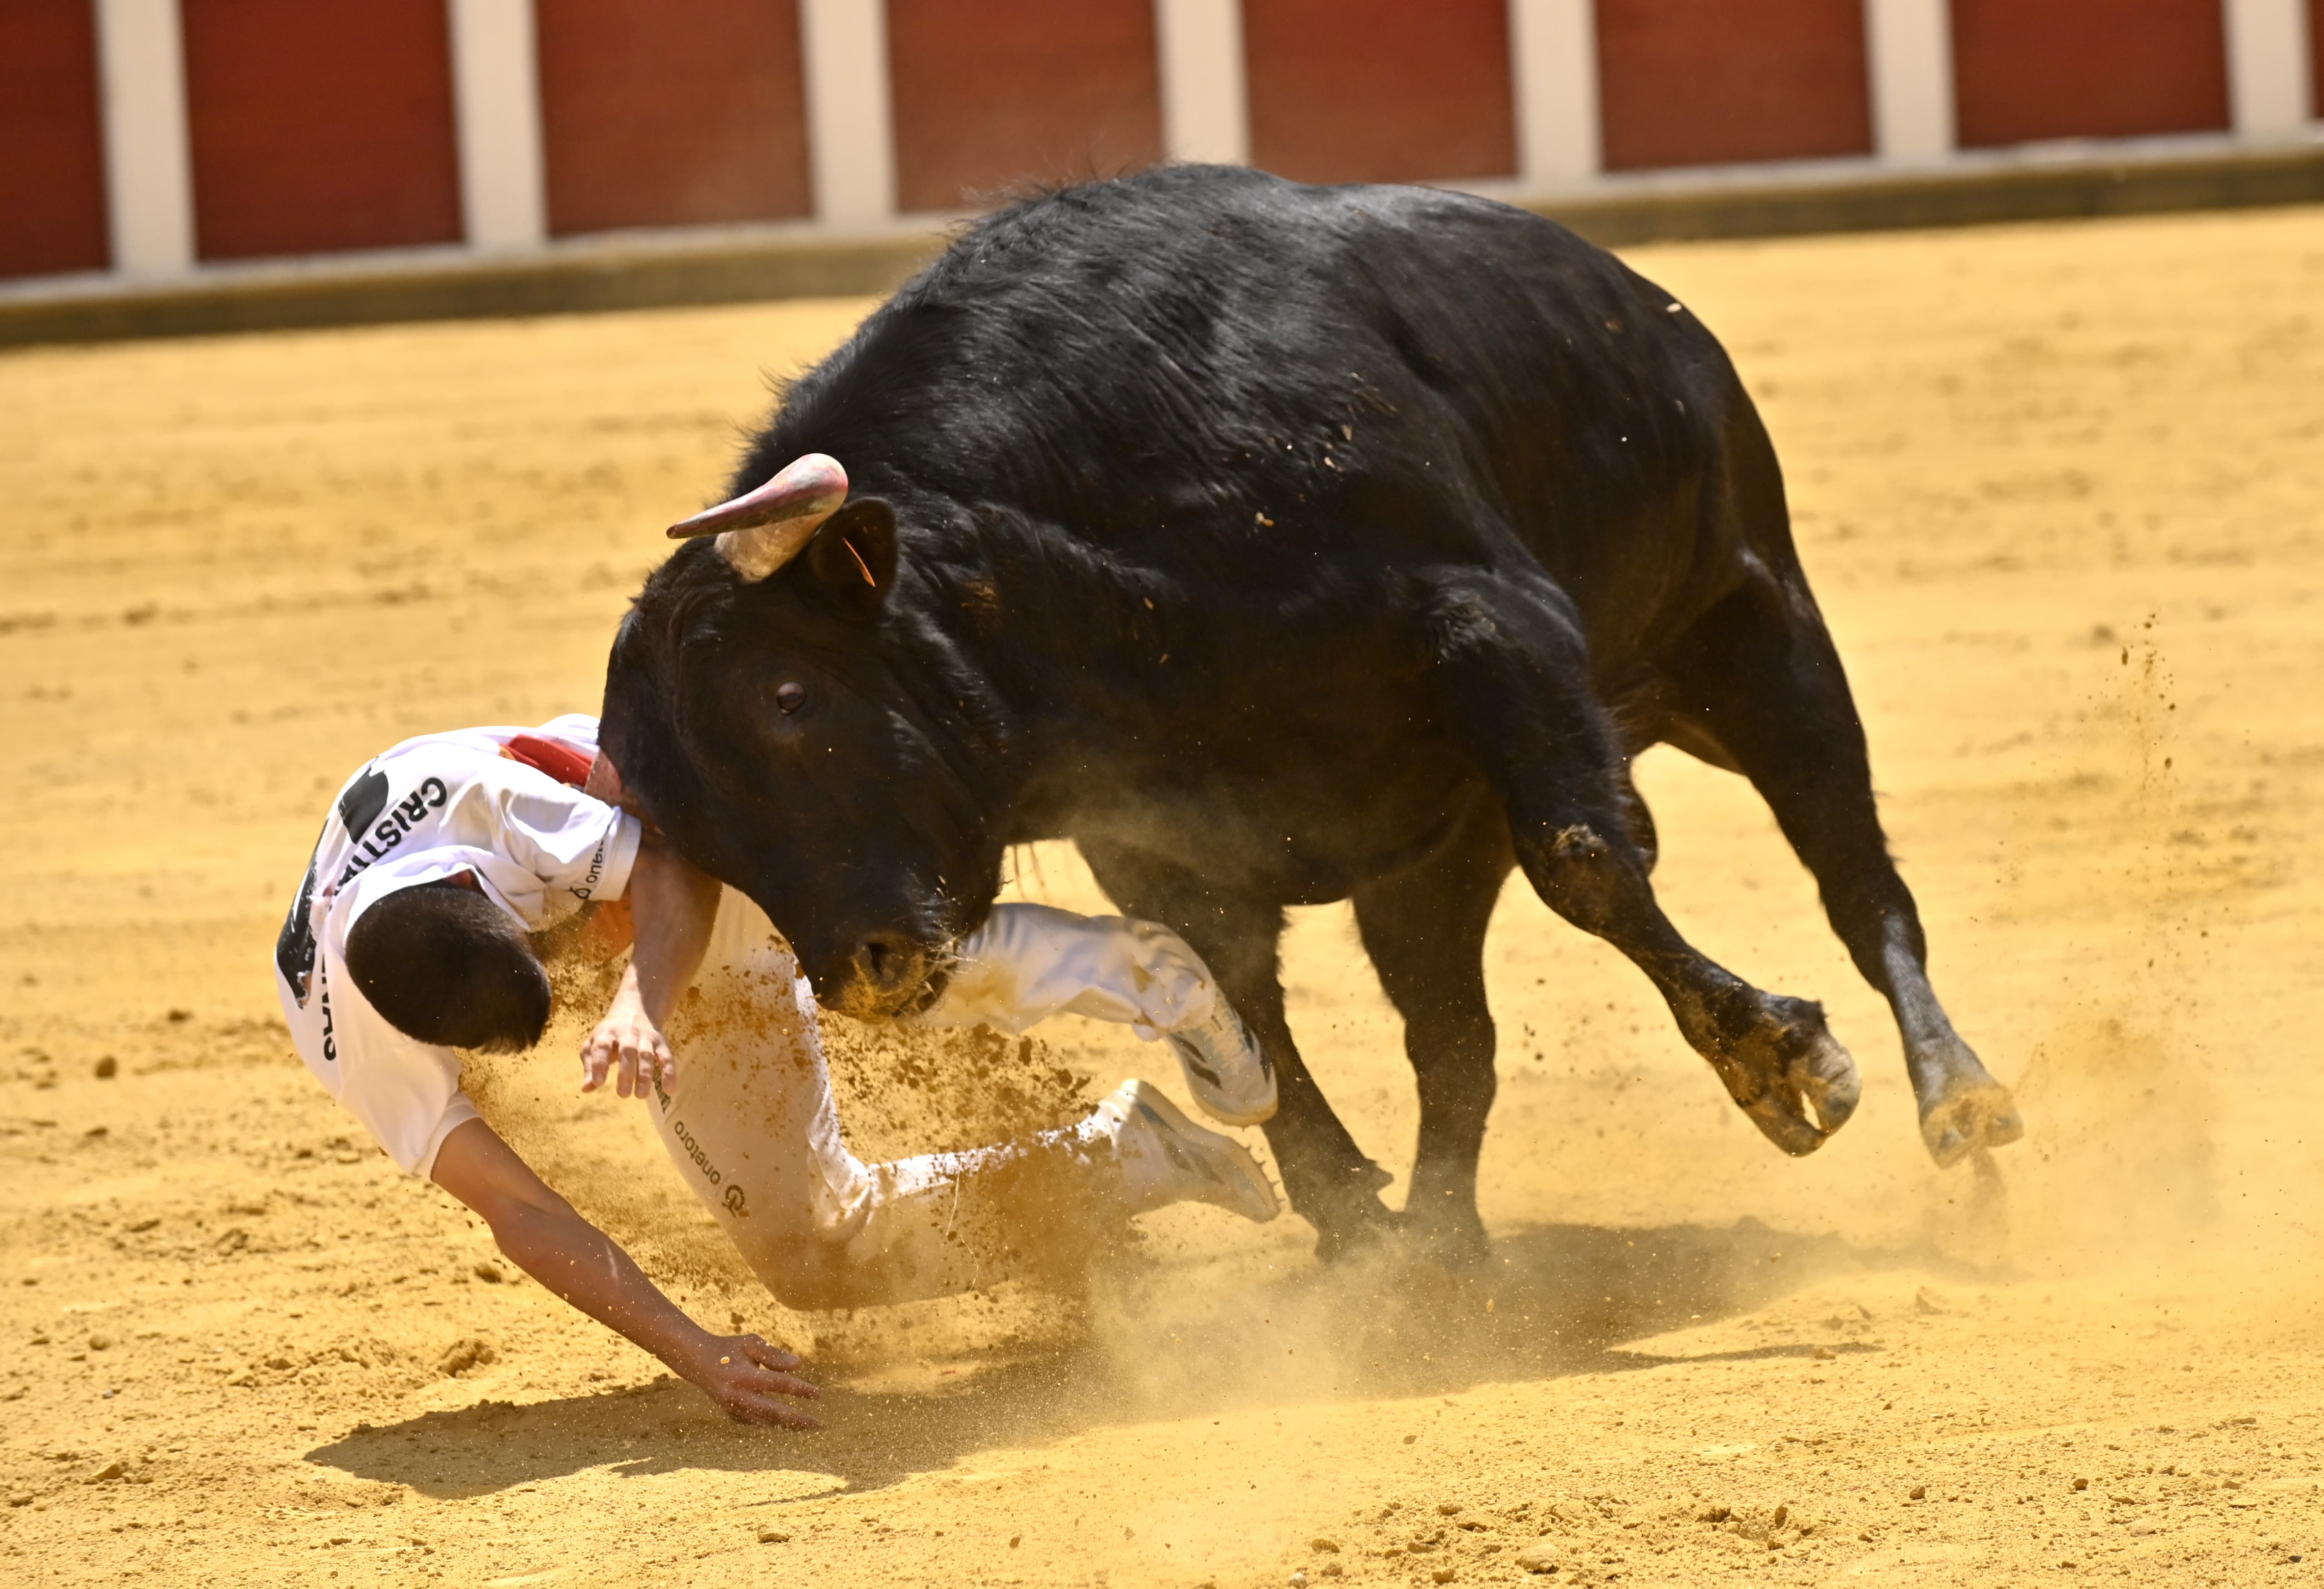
(542, 1234)
(671, 908)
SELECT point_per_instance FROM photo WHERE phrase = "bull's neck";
(1072, 639)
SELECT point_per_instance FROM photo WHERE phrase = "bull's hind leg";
(1425, 930)
(1327, 1178)
(1512, 679)
(1759, 677)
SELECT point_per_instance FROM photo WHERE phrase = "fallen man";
(411, 939)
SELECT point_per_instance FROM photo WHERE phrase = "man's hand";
(542, 1234)
(744, 1375)
(672, 906)
(629, 1046)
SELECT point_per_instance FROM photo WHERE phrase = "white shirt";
(430, 808)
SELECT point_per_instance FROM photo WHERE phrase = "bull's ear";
(853, 557)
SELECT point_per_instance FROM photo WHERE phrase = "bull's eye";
(790, 695)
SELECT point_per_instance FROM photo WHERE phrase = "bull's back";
(1560, 408)
(1195, 431)
(1212, 366)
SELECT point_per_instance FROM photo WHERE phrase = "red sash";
(564, 762)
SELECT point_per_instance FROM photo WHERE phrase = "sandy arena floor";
(2062, 491)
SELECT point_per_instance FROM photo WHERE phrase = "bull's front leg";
(1511, 676)
(1425, 928)
(1328, 1179)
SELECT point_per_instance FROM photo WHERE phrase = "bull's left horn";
(760, 530)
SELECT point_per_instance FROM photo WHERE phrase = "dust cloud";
(901, 1092)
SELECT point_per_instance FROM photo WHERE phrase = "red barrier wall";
(52, 178)
(1684, 83)
(2316, 59)
(321, 125)
(1007, 90)
(2025, 70)
(648, 123)
(1380, 90)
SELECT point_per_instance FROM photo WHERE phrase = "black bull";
(1282, 545)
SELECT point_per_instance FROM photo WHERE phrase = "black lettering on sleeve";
(363, 800)
(294, 947)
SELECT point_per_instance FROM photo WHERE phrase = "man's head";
(443, 963)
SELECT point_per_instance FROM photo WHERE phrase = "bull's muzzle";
(890, 975)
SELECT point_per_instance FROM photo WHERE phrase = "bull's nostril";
(884, 957)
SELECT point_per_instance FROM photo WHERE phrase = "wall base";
(650, 272)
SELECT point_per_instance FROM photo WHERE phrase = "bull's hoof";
(1347, 1216)
(1787, 1064)
(1343, 1238)
(1968, 1111)
(1438, 1228)
(1455, 1244)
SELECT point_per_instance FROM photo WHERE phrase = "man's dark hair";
(445, 964)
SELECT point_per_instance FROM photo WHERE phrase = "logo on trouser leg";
(733, 1197)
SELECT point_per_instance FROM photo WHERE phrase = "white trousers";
(752, 1128)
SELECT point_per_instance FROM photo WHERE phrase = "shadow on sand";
(1547, 1301)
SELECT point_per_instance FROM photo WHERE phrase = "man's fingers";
(653, 1060)
(767, 1354)
(771, 1368)
(750, 1383)
(767, 1381)
(785, 1384)
(631, 1058)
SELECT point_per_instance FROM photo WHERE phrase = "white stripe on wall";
(2267, 68)
(148, 170)
(1553, 64)
(497, 101)
(851, 134)
(1205, 110)
(1554, 61)
(1910, 46)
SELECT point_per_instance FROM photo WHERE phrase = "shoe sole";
(1239, 1173)
(1200, 1081)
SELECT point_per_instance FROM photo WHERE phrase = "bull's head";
(766, 702)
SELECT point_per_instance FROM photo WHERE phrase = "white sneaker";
(1231, 1078)
(1166, 1158)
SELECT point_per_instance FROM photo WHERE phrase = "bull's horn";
(760, 530)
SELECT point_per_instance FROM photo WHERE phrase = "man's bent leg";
(752, 1128)
(1029, 962)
